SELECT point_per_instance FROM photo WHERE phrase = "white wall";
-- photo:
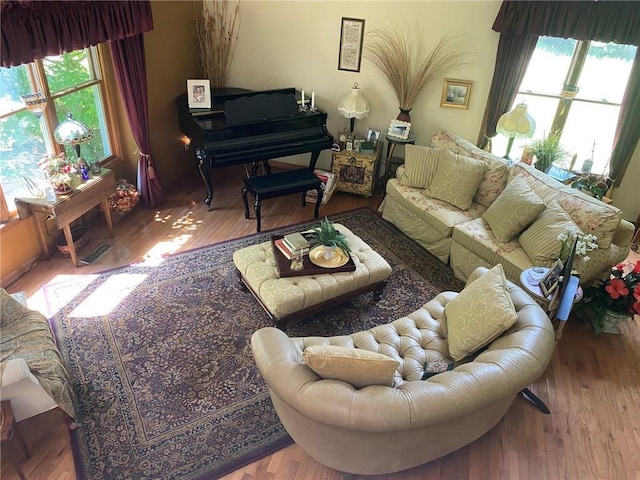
(295, 44)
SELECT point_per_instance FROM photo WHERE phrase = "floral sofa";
(473, 209)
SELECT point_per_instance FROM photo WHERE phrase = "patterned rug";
(160, 359)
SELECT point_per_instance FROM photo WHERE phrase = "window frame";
(38, 83)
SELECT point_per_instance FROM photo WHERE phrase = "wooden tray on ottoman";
(284, 264)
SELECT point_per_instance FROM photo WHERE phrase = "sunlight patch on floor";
(108, 296)
(155, 256)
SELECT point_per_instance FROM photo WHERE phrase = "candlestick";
(302, 98)
(313, 100)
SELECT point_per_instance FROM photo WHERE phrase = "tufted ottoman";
(285, 299)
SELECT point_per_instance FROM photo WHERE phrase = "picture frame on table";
(372, 135)
(199, 93)
(456, 93)
(551, 279)
(399, 129)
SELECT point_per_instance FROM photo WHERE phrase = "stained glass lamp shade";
(72, 132)
(35, 103)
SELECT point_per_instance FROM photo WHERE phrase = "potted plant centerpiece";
(329, 246)
(614, 300)
(595, 185)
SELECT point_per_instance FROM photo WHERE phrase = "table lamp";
(516, 124)
(354, 105)
(73, 132)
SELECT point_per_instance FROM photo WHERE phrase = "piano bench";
(279, 184)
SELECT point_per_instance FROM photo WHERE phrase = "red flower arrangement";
(620, 293)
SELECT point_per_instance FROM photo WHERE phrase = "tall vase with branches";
(407, 65)
(217, 37)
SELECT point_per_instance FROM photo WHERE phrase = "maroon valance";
(34, 29)
(603, 21)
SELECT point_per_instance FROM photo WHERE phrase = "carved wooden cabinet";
(357, 172)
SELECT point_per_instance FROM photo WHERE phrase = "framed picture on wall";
(456, 93)
(351, 37)
(199, 93)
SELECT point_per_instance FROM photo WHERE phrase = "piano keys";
(251, 127)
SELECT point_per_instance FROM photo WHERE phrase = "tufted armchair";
(381, 429)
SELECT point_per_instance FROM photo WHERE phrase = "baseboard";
(12, 276)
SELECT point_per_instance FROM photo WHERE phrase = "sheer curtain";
(34, 29)
(603, 21)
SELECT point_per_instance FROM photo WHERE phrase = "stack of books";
(328, 187)
(292, 243)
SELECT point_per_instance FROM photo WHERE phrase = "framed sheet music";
(351, 37)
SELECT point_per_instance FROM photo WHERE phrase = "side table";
(356, 172)
(67, 208)
(392, 142)
(8, 427)
(530, 283)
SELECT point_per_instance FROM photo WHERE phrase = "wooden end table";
(67, 208)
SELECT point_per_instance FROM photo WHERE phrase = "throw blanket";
(26, 334)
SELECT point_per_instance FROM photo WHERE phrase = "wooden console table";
(67, 208)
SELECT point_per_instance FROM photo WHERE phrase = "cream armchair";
(32, 375)
(380, 429)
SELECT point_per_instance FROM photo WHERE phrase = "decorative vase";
(404, 116)
(608, 322)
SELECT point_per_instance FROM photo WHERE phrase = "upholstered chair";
(353, 414)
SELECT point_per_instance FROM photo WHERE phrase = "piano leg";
(314, 160)
(265, 165)
(245, 202)
(203, 168)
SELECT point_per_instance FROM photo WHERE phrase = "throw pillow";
(540, 241)
(420, 165)
(352, 365)
(481, 312)
(456, 179)
(515, 208)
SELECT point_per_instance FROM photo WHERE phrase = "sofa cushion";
(540, 240)
(456, 179)
(515, 208)
(355, 366)
(497, 173)
(419, 165)
(591, 215)
(480, 313)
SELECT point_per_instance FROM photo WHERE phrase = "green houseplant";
(548, 151)
(595, 185)
(326, 234)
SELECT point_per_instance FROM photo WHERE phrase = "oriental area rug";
(160, 357)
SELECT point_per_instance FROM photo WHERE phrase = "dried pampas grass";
(217, 36)
(407, 66)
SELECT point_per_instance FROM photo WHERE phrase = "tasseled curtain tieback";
(150, 171)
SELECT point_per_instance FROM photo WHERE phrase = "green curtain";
(628, 127)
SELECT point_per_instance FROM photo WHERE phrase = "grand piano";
(251, 127)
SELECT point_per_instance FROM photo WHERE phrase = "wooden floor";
(592, 385)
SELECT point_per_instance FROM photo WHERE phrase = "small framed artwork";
(372, 135)
(199, 93)
(550, 281)
(456, 93)
(399, 129)
(351, 37)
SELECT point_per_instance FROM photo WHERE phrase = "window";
(71, 83)
(587, 122)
